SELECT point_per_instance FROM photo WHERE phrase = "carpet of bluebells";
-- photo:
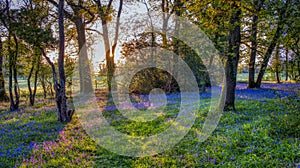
(263, 132)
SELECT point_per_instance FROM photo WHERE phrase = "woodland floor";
(263, 132)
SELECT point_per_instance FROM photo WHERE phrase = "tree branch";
(67, 14)
(94, 30)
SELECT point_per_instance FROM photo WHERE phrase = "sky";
(98, 54)
(128, 12)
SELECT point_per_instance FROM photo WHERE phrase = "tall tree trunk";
(84, 66)
(286, 64)
(110, 52)
(32, 93)
(35, 80)
(108, 56)
(13, 76)
(268, 56)
(232, 58)
(12, 64)
(62, 100)
(258, 5)
(51, 87)
(277, 64)
(15, 70)
(3, 95)
(55, 82)
(298, 65)
(116, 38)
(175, 43)
(251, 81)
(165, 14)
(10, 77)
(44, 87)
(273, 43)
(29, 84)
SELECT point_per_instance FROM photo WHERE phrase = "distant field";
(268, 77)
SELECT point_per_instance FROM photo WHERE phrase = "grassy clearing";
(249, 138)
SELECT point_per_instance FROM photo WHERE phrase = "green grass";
(268, 77)
(243, 139)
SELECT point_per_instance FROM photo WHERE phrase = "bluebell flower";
(31, 145)
(7, 152)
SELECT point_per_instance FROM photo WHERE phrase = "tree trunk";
(251, 81)
(175, 43)
(55, 81)
(10, 77)
(51, 88)
(29, 85)
(43, 83)
(298, 66)
(272, 45)
(3, 95)
(251, 69)
(165, 17)
(32, 93)
(12, 64)
(108, 56)
(109, 52)
(35, 80)
(268, 56)
(13, 78)
(84, 67)
(232, 58)
(15, 70)
(277, 64)
(114, 46)
(286, 64)
(61, 98)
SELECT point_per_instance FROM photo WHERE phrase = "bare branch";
(94, 30)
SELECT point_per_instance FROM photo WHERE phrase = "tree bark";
(32, 93)
(109, 52)
(84, 67)
(272, 45)
(77, 18)
(61, 98)
(43, 83)
(10, 77)
(29, 84)
(232, 58)
(57, 89)
(13, 76)
(35, 80)
(3, 95)
(114, 46)
(175, 41)
(286, 64)
(15, 70)
(268, 56)
(298, 65)
(14, 103)
(108, 56)
(277, 64)
(251, 69)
